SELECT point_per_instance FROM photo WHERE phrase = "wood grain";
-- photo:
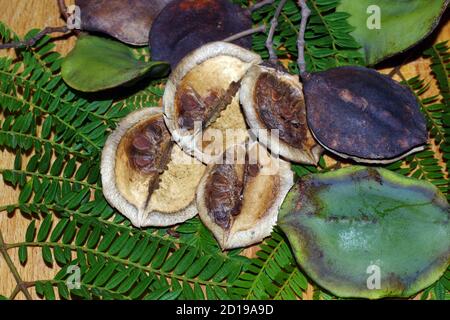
(23, 15)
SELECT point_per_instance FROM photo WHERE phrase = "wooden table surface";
(23, 15)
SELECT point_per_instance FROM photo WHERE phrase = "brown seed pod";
(359, 114)
(273, 100)
(203, 88)
(185, 25)
(147, 178)
(126, 20)
(239, 196)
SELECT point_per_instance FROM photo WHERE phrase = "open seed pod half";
(126, 20)
(360, 114)
(201, 101)
(239, 196)
(274, 107)
(145, 176)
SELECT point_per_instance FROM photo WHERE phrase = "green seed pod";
(385, 28)
(369, 233)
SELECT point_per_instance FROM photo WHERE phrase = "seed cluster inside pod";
(185, 25)
(192, 107)
(239, 196)
(274, 107)
(203, 88)
(127, 20)
(145, 176)
(345, 225)
(358, 113)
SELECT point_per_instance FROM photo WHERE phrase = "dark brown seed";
(223, 190)
(253, 170)
(126, 20)
(185, 25)
(194, 108)
(360, 114)
(280, 107)
(149, 148)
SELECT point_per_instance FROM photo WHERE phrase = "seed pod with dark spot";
(360, 114)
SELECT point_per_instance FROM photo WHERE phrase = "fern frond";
(92, 228)
(6, 34)
(62, 133)
(127, 262)
(328, 40)
(32, 89)
(273, 274)
(149, 96)
(440, 64)
(431, 107)
(426, 165)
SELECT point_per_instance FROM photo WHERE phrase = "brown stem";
(401, 75)
(397, 69)
(336, 166)
(245, 33)
(20, 283)
(17, 289)
(306, 12)
(394, 71)
(260, 4)
(31, 42)
(273, 27)
(63, 9)
(14, 293)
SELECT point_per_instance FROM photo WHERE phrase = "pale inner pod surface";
(274, 107)
(239, 196)
(145, 176)
(201, 101)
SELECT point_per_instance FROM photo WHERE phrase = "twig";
(273, 27)
(63, 9)
(14, 293)
(260, 4)
(31, 42)
(20, 283)
(245, 33)
(336, 166)
(306, 12)
(397, 69)
(401, 75)
(17, 288)
(394, 71)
